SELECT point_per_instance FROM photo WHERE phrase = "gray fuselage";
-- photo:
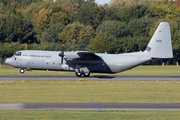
(50, 60)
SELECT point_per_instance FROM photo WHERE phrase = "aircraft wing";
(83, 58)
(88, 55)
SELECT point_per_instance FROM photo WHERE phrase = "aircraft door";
(53, 63)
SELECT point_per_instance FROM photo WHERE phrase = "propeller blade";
(61, 60)
(62, 49)
(62, 52)
(62, 55)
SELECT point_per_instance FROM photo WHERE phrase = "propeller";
(62, 55)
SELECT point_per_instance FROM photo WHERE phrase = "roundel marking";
(124, 62)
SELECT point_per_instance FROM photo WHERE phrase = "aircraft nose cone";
(7, 61)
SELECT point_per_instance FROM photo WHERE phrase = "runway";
(90, 106)
(95, 77)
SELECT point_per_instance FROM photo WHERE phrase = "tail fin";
(160, 44)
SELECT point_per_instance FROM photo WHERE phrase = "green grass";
(84, 91)
(140, 70)
(89, 115)
(7, 70)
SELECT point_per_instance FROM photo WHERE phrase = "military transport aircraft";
(84, 63)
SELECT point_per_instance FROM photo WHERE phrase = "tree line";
(121, 26)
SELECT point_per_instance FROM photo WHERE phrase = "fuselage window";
(17, 54)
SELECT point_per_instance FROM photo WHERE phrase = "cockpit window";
(17, 54)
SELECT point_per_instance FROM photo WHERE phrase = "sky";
(101, 2)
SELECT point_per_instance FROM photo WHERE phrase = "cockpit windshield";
(17, 54)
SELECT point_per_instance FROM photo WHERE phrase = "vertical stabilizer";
(160, 44)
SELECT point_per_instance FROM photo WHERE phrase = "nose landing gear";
(22, 70)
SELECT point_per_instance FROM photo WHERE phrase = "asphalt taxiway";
(95, 77)
(90, 106)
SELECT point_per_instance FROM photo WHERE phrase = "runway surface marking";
(95, 77)
(90, 106)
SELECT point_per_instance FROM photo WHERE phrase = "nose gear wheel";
(22, 70)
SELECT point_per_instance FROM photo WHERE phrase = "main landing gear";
(22, 70)
(79, 73)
